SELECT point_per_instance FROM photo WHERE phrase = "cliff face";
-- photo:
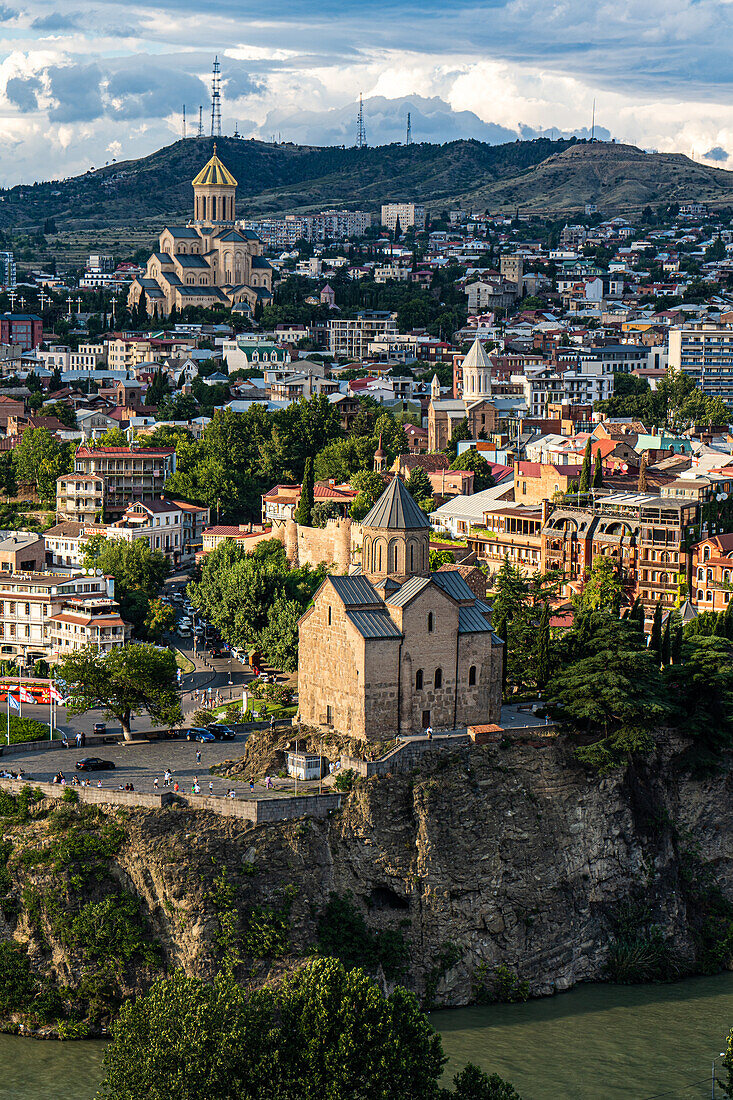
(493, 857)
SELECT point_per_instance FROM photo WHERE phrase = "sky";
(83, 84)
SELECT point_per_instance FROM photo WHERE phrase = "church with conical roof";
(209, 261)
(394, 648)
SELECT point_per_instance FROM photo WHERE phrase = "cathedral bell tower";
(214, 190)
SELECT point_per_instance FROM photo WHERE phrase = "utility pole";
(593, 124)
(216, 99)
(360, 127)
(184, 121)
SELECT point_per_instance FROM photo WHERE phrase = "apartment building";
(350, 338)
(7, 270)
(328, 225)
(45, 614)
(59, 357)
(645, 535)
(712, 573)
(407, 213)
(21, 551)
(24, 329)
(705, 352)
(509, 531)
(394, 272)
(80, 498)
(64, 543)
(157, 521)
(127, 474)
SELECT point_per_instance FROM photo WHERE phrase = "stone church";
(395, 648)
(209, 261)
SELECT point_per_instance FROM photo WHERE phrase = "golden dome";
(214, 174)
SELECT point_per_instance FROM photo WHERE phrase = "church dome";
(214, 174)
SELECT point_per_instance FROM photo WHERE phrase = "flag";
(55, 694)
(26, 696)
(13, 702)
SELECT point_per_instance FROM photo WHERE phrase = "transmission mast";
(216, 99)
(201, 121)
(408, 140)
(360, 127)
(184, 121)
(593, 123)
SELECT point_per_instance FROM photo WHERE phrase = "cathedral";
(395, 648)
(209, 261)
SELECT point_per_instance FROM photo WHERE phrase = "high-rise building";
(7, 270)
(407, 212)
(705, 352)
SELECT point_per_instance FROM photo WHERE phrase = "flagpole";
(7, 704)
(50, 710)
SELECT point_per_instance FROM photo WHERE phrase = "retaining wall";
(93, 795)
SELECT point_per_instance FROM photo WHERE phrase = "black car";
(100, 728)
(218, 651)
(202, 735)
(93, 764)
(220, 732)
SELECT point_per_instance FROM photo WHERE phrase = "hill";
(540, 175)
(615, 177)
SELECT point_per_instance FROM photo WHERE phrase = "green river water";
(597, 1042)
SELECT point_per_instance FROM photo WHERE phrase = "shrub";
(345, 780)
(17, 984)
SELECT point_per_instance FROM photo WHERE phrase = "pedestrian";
(83, 739)
(272, 721)
(211, 787)
(78, 740)
(99, 782)
(251, 786)
(429, 732)
(175, 787)
(198, 756)
(155, 783)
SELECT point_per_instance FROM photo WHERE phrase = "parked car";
(93, 764)
(99, 728)
(218, 651)
(199, 735)
(221, 732)
(177, 598)
(183, 630)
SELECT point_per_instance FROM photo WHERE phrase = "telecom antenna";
(409, 130)
(593, 125)
(184, 121)
(216, 99)
(201, 121)
(360, 127)
(236, 130)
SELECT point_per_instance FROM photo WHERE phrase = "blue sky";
(83, 84)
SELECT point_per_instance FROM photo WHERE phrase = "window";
(425, 719)
(431, 622)
(329, 614)
(418, 680)
(329, 715)
(472, 676)
(438, 677)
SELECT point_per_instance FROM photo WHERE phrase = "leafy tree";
(138, 572)
(157, 389)
(701, 686)
(322, 511)
(597, 481)
(128, 680)
(603, 589)
(419, 487)
(278, 639)
(114, 437)
(727, 1084)
(325, 1032)
(370, 487)
(543, 648)
(160, 619)
(344, 457)
(472, 460)
(460, 433)
(608, 688)
(39, 459)
(62, 410)
(473, 1084)
(304, 510)
(585, 470)
(655, 637)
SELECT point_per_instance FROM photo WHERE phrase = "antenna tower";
(184, 121)
(201, 122)
(236, 130)
(216, 99)
(593, 125)
(409, 130)
(360, 127)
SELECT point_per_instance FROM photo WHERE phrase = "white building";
(407, 212)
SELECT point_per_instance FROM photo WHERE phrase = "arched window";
(379, 569)
(710, 576)
(708, 595)
(418, 680)
(699, 593)
(329, 614)
(431, 622)
(472, 676)
(412, 557)
(438, 681)
(706, 553)
(701, 574)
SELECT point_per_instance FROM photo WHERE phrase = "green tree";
(325, 1032)
(608, 688)
(138, 573)
(159, 620)
(460, 433)
(543, 647)
(370, 487)
(655, 637)
(603, 589)
(701, 687)
(62, 410)
(597, 482)
(304, 511)
(727, 1084)
(157, 389)
(39, 459)
(128, 680)
(473, 1084)
(585, 470)
(419, 487)
(472, 460)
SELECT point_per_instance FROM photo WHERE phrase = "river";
(597, 1041)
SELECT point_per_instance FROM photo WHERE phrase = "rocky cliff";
(493, 857)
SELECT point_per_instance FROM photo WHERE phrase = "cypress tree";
(677, 636)
(543, 647)
(584, 485)
(636, 615)
(720, 627)
(598, 471)
(304, 510)
(655, 638)
(667, 642)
